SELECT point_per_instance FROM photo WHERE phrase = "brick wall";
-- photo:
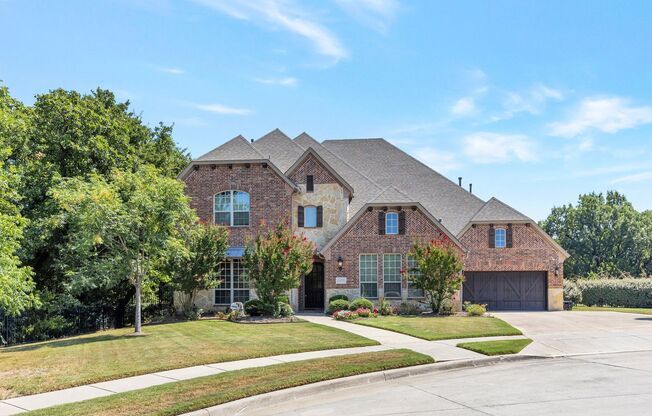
(312, 166)
(270, 195)
(530, 252)
(363, 238)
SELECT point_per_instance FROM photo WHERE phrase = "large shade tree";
(125, 226)
(604, 234)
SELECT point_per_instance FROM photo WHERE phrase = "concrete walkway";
(444, 350)
(440, 350)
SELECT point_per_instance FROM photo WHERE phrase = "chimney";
(471, 188)
(459, 180)
(252, 140)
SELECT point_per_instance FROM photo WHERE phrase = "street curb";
(238, 407)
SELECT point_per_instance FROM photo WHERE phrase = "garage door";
(507, 291)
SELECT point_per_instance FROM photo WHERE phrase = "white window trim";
(504, 229)
(387, 221)
(400, 280)
(305, 208)
(232, 211)
(230, 264)
(359, 274)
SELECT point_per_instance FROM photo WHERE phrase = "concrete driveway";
(609, 384)
(568, 332)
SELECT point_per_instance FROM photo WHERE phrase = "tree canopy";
(604, 234)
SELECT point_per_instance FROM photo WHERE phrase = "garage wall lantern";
(340, 263)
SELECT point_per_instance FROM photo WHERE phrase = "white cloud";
(285, 14)
(608, 114)
(376, 14)
(639, 177)
(531, 101)
(485, 147)
(173, 71)
(438, 160)
(463, 106)
(285, 82)
(222, 109)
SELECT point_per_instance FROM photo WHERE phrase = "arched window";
(232, 208)
(391, 223)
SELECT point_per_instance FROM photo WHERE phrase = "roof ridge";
(382, 191)
(348, 164)
(240, 136)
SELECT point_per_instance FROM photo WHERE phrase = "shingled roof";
(238, 148)
(279, 149)
(496, 210)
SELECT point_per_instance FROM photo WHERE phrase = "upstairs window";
(500, 238)
(232, 208)
(391, 223)
(310, 183)
(310, 217)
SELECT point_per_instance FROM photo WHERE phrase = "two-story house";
(364, 202)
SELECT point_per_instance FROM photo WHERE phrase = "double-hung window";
(391, 223)
(501, 238)
(232, 208)
(369, 275)
(234, 286)
(392, 275)
(413, 291)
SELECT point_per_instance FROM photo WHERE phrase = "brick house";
(364, 202)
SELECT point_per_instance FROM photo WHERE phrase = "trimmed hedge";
(627, 293)
(337, 305)
(338, 297)
(361, 303)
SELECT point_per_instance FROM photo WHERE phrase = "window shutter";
(310, 183)
(381, 223)
(300, 216)
(320, 216)
(508, 236)
(401, 222)
(492, 236)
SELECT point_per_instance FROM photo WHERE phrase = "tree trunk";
(137, 309)
(121, 308)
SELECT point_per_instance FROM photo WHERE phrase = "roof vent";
(471, 188)
(252, 140)
(459, 180)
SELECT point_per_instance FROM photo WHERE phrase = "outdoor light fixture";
(557, 270)
(340, 263)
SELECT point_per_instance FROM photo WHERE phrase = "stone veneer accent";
(332, 198)
(270, 195)
(363, 238)
(530, 251)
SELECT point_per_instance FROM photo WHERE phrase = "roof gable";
(238, 148)
(496, 210)
(310, 152)
(279, 149)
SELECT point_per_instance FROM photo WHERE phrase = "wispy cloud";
(608, 115)
(284, 14)
(638, 177)
(464, 106)
(284, 82)
(377, 14)
(531, 101)
(438, 160)
(173, 71)
(222, 109)
(486, 147)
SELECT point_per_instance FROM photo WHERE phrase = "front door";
(313, 287)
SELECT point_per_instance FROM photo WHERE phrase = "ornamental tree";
(275, 262)
(437, 271)
(195, 265)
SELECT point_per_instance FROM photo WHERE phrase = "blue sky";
(532, 102)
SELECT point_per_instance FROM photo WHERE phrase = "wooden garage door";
(507, 291)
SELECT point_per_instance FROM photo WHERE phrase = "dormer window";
(500, 238)
(391, 223)
(310, 183)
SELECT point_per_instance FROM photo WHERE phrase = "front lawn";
(186, 396)
(502, 347)
(434, 328)
(101, 356)
(643, 311)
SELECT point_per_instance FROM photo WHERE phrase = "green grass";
(508, 346)
(433, 328)
(186, 396)
(644, 311)
(101, 356)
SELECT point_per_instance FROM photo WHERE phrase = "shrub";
(285, 310)
(384, 307)
(572, 292)
(406, 308)
(364, 313)
(345, 315)
(361, 303)
(628, 293)
(337, 305)
(338, 297)
(475, 309)
(255, 307)
(284, 299)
